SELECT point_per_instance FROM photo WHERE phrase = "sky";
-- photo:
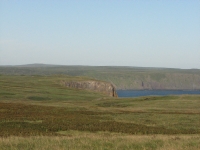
(142, 33)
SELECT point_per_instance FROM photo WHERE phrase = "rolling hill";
(138, 78)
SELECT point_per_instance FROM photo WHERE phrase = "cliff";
(97, 86)
(156, 81)
(137, 78)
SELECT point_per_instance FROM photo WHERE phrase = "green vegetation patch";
(42, 88)
(157, 76)
(123, 77)
(40, 105)
(112, 104)
(38, 98)
(6, 93)
(54, 119)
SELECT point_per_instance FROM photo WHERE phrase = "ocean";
(138, 93)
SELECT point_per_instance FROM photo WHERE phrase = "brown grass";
(102, 140)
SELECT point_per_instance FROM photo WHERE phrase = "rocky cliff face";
(97, 86)
(165, 81)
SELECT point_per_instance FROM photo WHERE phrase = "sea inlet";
(138, 93)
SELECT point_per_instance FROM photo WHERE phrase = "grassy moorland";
(74, 140)
(122, 77)
(37, 112)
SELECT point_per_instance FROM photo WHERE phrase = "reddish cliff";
(97, 86)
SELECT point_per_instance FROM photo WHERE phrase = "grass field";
(37, 112)
(121, 76)
(102, 141)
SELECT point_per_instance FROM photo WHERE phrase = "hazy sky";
(144, 33)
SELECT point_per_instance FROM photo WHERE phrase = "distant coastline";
(137, 78)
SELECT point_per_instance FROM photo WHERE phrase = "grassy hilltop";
(37, 112)
(122, 77)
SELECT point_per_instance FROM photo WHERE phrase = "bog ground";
(37, 112)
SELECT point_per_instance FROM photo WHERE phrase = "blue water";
(137, 93)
